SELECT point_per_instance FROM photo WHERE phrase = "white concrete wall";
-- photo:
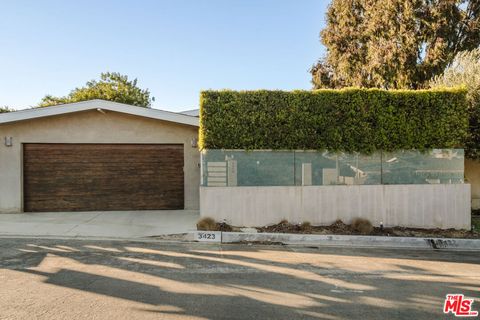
(422, 206)
(91, 127)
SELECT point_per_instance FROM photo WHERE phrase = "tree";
(112, 86)
(393, 43)
(5, 109)
(465, 71)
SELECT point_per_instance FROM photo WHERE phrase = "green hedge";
(362, 120)
(472, 146)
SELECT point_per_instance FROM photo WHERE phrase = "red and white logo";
(459, 306)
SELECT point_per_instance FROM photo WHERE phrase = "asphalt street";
(100, 279)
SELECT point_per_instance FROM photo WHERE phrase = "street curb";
(354, 241)
(299, 240)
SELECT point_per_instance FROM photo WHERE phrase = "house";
(98, 155)
(102, 155)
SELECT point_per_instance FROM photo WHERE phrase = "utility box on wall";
(216, 174)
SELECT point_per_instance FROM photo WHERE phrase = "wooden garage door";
(87, 177)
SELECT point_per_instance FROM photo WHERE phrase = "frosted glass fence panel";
(326, 168)
(365, 169)
(313, 168)
(253, 168)
(443, 166)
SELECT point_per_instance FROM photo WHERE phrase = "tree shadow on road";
(238, 281)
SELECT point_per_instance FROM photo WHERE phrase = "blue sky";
(176, 48)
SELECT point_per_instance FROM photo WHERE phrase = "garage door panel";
(65, 174)
(85, 177)
(73, 204)
(99, 184)
(87, 158)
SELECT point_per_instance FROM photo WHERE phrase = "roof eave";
(98, 104)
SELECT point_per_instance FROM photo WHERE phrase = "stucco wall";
(472, 173)
(422, 206)
(91, 127)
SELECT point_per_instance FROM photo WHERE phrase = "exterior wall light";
(8, 141)
(194, 142)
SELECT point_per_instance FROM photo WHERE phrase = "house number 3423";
(214, 236)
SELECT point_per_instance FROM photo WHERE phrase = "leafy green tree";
(112, 86)
(5, 109)
(465, 71)
(393, 43)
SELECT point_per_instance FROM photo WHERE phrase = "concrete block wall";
(422, 206)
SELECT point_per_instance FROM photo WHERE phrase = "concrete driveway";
(116, 224)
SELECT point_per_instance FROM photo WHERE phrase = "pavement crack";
(84, 222)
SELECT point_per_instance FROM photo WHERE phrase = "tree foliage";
(351, 120)
(465, 71)
(5, 109)
(112, 86)
(393, 43)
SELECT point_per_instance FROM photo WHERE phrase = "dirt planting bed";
(340, 227)
(357, 227)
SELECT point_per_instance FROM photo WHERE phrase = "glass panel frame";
(221, 168)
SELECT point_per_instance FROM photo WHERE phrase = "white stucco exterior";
(94, 126)
(472, 175)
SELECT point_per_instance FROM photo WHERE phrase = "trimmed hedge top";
(351, 120)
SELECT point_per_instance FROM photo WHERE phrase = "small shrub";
(339, 227)
(362, 225)
(206, 224)
(225, 227)
(476, 223)
(306, 226)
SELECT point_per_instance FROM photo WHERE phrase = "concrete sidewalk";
(115, 224)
